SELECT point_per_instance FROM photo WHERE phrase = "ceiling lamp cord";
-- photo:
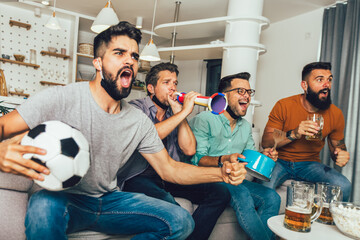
(53, 22)
(153, 21)
(150, 52)
(173, 34)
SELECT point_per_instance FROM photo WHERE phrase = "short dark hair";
(225, 82)
(314, 65)
(153, 76)
(120, 29)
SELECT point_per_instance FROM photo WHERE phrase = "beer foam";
(298, 209)
(347, 219)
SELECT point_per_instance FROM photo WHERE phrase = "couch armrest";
(14, 182)
(13, 206)
(13, 203)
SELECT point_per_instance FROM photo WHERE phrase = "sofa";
(16, 190)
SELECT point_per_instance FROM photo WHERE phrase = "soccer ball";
(67, 156)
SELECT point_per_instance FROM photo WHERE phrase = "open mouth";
(323, 93)
(126, 77)
(243, 105)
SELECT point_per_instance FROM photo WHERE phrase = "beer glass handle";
(319, 209)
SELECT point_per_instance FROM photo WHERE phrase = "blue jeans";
(308, 171)
(55, 214)
(212, 199)
(254, 204)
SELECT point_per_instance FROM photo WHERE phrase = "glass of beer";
(318, 118)
(299, 202)
(329, 193)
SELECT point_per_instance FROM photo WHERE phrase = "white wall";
(290, 44)
(192, 77)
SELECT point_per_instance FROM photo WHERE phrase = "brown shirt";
(288, 113)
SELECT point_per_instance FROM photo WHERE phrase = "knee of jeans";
(182, 223)
(272, 197)
(44, 207)
(241, 199)
(273, 183)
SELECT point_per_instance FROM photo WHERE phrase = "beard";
(109, 83)
(315, 100)
(232, 113)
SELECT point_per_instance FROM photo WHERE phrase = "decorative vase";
(32, 56)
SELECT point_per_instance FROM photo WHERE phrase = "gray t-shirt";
(112, 137)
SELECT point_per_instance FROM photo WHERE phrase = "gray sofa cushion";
(13, 206)
(15, 191)
(15, 182)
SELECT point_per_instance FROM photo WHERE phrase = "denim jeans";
(308, 171)
(212, 199)
(254, 204)
(54, 214)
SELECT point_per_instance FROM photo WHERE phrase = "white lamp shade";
(150, 52)
(53, 23)
(104, 20)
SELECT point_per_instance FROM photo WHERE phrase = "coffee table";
(318, 231)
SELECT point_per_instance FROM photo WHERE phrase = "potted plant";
(4, 110)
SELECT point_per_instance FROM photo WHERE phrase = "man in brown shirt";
(299, 158)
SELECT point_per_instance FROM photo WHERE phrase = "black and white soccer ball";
(67, 157)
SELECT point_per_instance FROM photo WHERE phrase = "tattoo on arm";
(333, 144)
(340, 144)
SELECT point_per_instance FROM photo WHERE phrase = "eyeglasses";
(242, 91)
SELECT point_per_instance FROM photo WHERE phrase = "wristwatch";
(288, 135)
(220, 164)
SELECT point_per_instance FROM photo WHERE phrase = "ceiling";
(274, 10)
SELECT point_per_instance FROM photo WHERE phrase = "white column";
(244, 34)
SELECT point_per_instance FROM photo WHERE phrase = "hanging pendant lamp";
(53, 23)
(105, 19)
(150, 52)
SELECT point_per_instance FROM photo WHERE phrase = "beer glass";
(318, 118)
(299, 202)
(328, 193)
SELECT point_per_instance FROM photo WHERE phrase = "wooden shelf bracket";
(20, 24)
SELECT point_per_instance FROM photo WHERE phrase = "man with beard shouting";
(114, 130)
(299, 158)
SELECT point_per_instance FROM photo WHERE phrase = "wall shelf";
(55, 54)
(138, 88)
(51, 83)
(19, 94)
(206, 51)
(20, 63)
(85, 55)
(85, 58)
(204, 28)
(142, 70)
(19, 24)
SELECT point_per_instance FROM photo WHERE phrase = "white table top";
(318, 231)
